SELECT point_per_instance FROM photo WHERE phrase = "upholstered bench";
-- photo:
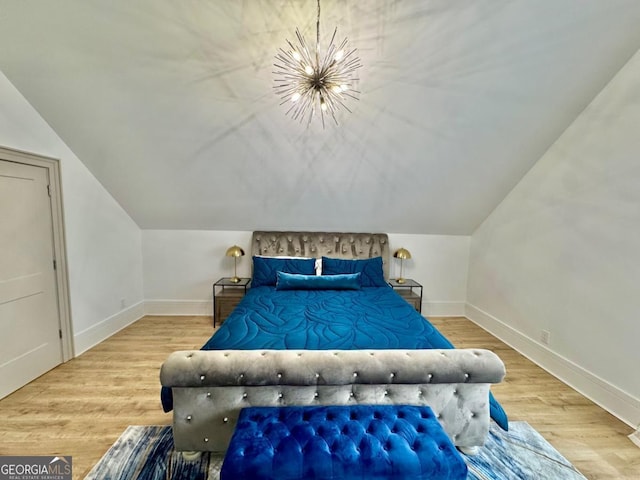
(341, 442)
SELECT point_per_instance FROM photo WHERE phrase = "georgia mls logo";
(35, 468)
(60, 466)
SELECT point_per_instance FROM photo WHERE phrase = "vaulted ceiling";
(171, 105)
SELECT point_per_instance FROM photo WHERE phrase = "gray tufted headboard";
(317, 244)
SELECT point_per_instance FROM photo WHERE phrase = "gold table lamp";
(235, 252)
(403, 254)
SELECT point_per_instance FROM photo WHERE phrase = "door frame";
(59, 243)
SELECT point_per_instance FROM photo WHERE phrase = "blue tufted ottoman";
(341, 442)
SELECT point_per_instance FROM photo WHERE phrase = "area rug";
(147, 453)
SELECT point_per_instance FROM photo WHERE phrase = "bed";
(342, 338)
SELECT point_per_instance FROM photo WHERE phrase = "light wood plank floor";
(80, 408)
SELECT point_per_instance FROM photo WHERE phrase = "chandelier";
(311, 82)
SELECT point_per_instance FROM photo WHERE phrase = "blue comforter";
(369, 318)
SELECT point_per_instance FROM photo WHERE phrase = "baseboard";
(178, 307)
(443, 309)
(612, 399)
(99, 332)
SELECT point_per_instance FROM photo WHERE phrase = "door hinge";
(55, 265)
(60, 334)
(49, 190)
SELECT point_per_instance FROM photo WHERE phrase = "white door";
(30, 341)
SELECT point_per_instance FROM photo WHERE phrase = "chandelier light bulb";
(315, 82)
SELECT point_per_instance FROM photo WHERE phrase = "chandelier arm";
(338, 99)
(305, 54)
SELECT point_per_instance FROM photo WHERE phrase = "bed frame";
(211, 387)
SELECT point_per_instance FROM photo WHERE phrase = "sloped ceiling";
(171, 105)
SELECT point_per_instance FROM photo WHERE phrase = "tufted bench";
(341, 442)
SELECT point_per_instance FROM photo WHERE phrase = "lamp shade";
(402, 254)
(235, 251)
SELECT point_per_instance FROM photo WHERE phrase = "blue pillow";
(370, 268)
(265, 269)
(291, 281)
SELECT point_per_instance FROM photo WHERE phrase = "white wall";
(181, 265)
(103, 243)
(562, 253)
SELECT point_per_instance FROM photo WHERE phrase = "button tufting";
(225, 420)
(188, 418)
(208, 394)
(202, 377)
(206, 439)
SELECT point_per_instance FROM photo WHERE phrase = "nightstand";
(226, 296)
(410, 290)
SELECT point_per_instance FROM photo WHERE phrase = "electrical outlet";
(545, 337)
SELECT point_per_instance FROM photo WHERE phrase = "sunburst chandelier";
(312, 83)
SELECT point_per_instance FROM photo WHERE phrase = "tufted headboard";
(318, 244)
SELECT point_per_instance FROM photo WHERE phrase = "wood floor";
(80, 408)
